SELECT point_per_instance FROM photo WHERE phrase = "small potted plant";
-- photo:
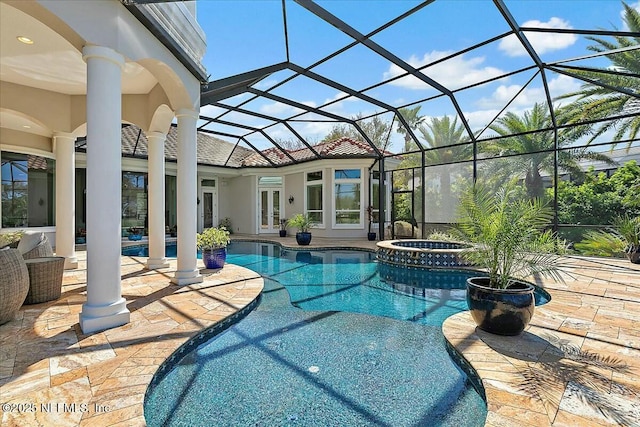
(81, 236)
(135, 233)
(629, 230)
(226, 223)
(283, 227)
(371, 235)
(213, 244)
(303, 223)
(510, 243)
(623, 237)
(11, 239)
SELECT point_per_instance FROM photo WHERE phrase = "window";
(347, 196)
(28, 190)
(375, 197)
(270, 181)
(314, 196)
(134, 199)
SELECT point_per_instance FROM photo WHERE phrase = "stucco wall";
(237, 200)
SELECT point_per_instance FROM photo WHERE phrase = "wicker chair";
(42, 249)
(14, 283)
(45, 279)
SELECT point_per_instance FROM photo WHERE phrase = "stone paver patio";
(578, 364)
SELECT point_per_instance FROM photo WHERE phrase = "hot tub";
(421, 253)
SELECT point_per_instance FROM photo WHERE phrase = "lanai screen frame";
(215, 92)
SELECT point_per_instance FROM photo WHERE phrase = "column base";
(157, 263)
(98, 318)
(188, 277)
(71, 263)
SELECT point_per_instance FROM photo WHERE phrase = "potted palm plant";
(371, 235)
(283, 227)
(135, 233)
(213, 244)
(622, 237)
(509, 242)
(629, 229)
(303, 223)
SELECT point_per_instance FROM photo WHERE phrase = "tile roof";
(342, 147)
(215, 152)
(211, 151)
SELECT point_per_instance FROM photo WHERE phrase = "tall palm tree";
(598, 102)
(442, 136)
(535, 148)
(414, 119)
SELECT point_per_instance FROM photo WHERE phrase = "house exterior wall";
(237, 200)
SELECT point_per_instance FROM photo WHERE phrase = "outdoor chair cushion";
(42, 249)
(30, 240)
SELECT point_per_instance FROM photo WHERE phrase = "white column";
(64, 149)
(187, 188)
(105, 308)
(156, 201)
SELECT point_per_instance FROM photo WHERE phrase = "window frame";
(360, 181)
(322, 184)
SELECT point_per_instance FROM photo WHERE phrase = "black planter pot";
(303, 238)
(283, 233)
(500, 311)
(634, 257)
(371, 236)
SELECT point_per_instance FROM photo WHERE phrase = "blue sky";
(244, 35)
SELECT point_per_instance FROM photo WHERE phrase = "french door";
(270, 206)
(209, 212)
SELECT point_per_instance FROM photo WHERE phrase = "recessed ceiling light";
(25, 40)
(26, 126)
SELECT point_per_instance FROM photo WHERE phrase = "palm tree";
(599, 102)
(443, 136)
(414, 119)
(534, 148)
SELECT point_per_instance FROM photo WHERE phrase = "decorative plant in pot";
(510, 243)
(135, 233)
(629, 229)
(371, 235)
(623, 237)
(213, 244)
(303, 222)
(283, 227)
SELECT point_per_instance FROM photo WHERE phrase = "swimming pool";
(330, 344)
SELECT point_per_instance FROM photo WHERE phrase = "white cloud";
(541, 42)
(479, 119)
(563, 84)
(503, 94)
(280, 109)
(266, 84)
(453, 73)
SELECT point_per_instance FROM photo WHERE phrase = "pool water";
(330, 343)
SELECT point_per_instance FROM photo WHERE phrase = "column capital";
(187, 112)
(64, 135)
(156, 135)
(92, 51)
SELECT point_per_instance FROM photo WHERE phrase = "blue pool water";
(331, 343)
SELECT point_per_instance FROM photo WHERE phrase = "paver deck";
(578, 364)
